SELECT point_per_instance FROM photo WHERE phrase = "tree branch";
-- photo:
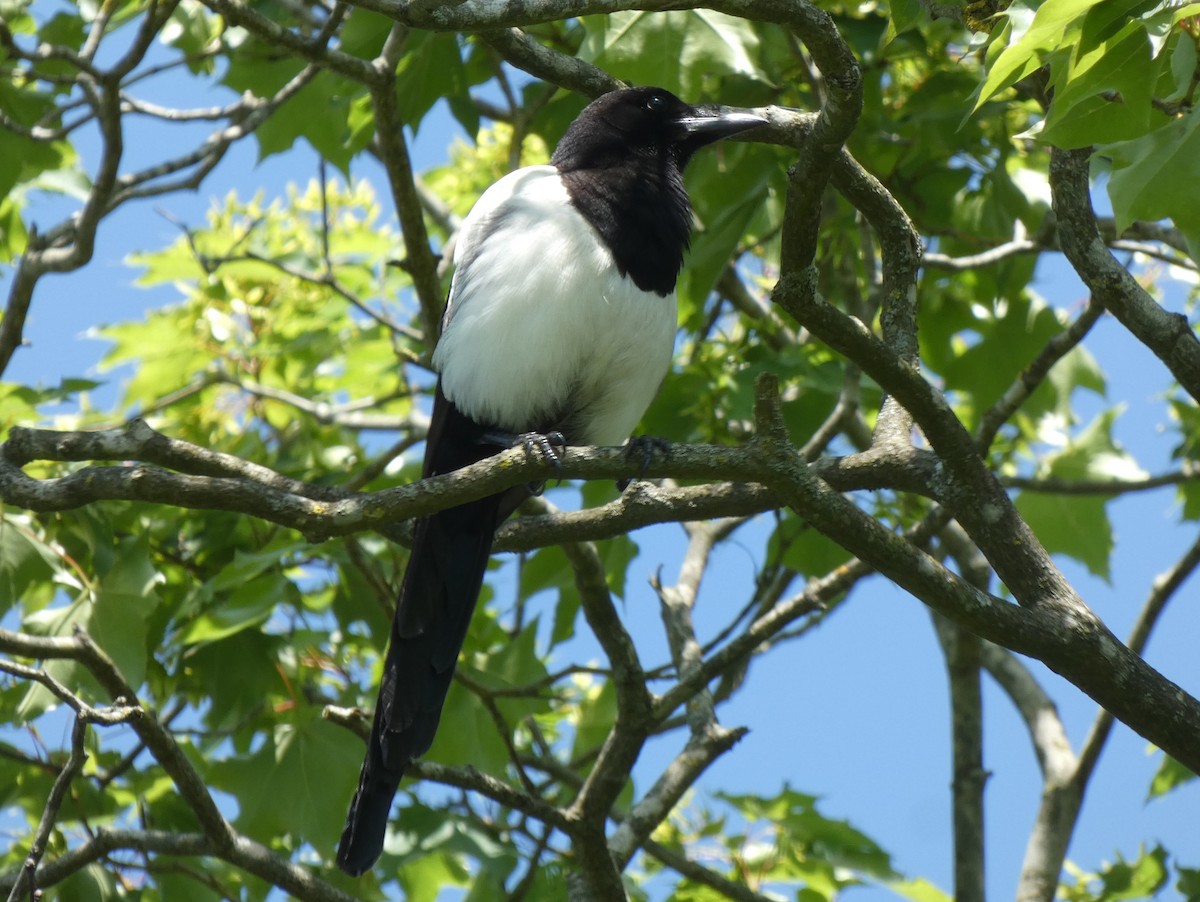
(962, 652)
(708, 739)
(26, 882)
(549, 65)
(214, 481)
(420, 262)
(598, 876)
(150, 731)
(298, 882)
(1034, 375)
(1168, 335)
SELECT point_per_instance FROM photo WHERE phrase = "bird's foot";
(549, 446)
(644, 447)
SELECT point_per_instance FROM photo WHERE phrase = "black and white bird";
(561, 319)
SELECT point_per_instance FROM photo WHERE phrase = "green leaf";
(246, 607)
(515, 662)
(259, 69)
(1170, 775)
(467, 734)
(58, 621)
(124, 599)
(64, 29)
(1188, 884)
(547, 568)
(1139, 880)
(1054, 26)
(742, 172)
(597, 714)
(12, 12)
(431, 68)
(1011, 334)
(1148, 172)
(805, 550)
(616, 554)
(237, 674)
(1120, 63)
(1078, 525)
(1074, 525)
(297, 783)
(25, 561)
(330, 134)
(813, 845)
(426, 847)
(902, 15)
(1077, 369)
(677, 50)
(919, 890)
(1184, 60)
(13, 234)
(92, 883)
(424, 879)
(192, 29)
(364, 33)
(1094, 454)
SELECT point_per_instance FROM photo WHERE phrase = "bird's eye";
(656, 103)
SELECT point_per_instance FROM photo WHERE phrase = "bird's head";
(644, 121)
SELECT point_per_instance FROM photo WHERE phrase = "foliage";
(221, 581)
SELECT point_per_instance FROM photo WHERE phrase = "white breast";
(526, 332)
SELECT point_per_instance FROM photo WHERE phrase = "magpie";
(559, 328)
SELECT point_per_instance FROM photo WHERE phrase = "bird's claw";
(550, 445)
(645, 447)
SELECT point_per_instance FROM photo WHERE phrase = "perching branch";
(214, 481)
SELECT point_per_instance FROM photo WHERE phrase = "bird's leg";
(645, 447)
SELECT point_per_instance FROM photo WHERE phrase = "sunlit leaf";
(1148, 170)
(1170, 775)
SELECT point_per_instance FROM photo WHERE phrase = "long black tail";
(449, 556)
(441, 585)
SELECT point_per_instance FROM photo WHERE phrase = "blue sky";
(855, 713)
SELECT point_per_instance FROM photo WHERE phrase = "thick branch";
(1065, 776)
(1168, 335)
(214, 481)
(39, 259)
(1054, 625)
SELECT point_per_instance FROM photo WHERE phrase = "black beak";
(708, 125)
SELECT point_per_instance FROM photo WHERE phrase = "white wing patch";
(527, 331)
